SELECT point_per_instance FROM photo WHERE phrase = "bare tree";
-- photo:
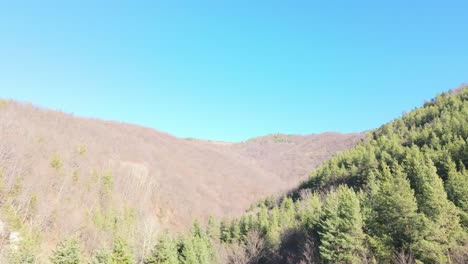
(249, 252)
(404, 257)
(309, 253)
(254, 246)
(234, 254)
(460, 254)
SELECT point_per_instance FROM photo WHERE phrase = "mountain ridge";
(76, 169)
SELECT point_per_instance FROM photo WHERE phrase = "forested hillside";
(63, 176)
(400, 196)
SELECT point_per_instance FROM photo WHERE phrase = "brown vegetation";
(72, 174)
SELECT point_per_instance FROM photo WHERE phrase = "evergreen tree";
(187, 254)
(245, 225)
(235, 230)
(443, 224)
(274, 228)
(67, 252)
(213, 229)
(102, 257)
(341, 235)
(287, 213)
(25, 253)
(428, 187)
(225, 232)
(263, 223)
(457, 190)
(165, 251)
(394, 223)
(196, 248)
(309, 211)
(121, 253)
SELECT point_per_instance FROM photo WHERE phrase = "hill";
(400, 196)
(62, 174)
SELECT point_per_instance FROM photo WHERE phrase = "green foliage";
(341, 235)
(457, 186)
(102, 257)
(25, 251)
(75, 176)
(121, 253)
(213, 229)
(24, 254)
(273, 232)
(394, 223)
(165, 251)
(401, 193)
(107, 183)
(225, 232)
(235, 230)
(116, 222)
(196, 248)
(67, 252)
(411, 173)
(309, 212)
(263, 223)
(280, 138)
(16, 189)
(287, 213)
(56, 162)
(11, 216)
(82, 150)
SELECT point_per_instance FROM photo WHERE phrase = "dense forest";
(400, 196)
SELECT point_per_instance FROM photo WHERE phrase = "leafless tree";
(459, 255)
(404, 257)
(254, 246)
(309, 253)
(234, 254)
(248, 252)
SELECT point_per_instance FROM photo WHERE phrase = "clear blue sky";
(231, 70)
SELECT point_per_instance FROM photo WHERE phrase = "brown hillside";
(74, 168)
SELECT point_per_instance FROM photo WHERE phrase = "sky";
(232, 70)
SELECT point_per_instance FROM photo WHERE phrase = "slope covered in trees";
(400, 196)
(61, 175)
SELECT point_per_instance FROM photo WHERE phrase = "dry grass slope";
(73, 171)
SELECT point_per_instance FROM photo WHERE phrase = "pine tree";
(274, 227)
(235, 230)
(102, 257)
(263, 223)
(287, 213)
(67, 252)
(341, 235)
(213, 229)
(245, 225)
(121, 253)
(187, 254)
(428, 187)
(394, 222)
(25, 253)
(309, 211)
(444, 224)
(197, 247)
(225, 232)
(165, 251)
(457, 186)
